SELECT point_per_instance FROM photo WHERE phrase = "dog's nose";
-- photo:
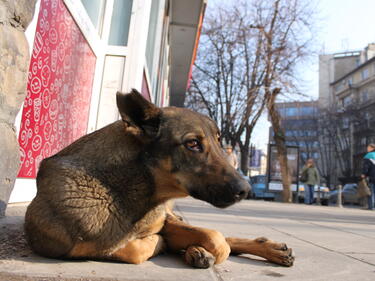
(240, 189)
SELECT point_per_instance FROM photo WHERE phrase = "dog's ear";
(137, 111)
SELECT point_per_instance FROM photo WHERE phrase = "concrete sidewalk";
(330, 244)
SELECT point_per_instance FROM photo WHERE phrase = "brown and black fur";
(107, 195)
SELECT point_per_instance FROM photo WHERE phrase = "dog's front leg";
(140, 250)
(275, 252)
(202, 246)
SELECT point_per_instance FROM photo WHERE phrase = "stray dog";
(106, 195)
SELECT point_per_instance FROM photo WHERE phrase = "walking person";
(310, 178)
(231, 156)
(369, 171)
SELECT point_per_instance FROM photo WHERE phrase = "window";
(120, 22)
(291, 111)
(364, 95)
(339, 87)
(364, 74)
(281, 112)
(345, 123)
(310, 133)
(367, 116)
(291, 143)
(346, 101)
(307, 110)
(350, 81)
(151, 37)
(94, 9)
(288, 133)
(154, 40)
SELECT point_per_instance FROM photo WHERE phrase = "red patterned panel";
(56, 108)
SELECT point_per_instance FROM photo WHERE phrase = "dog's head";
(184, 151)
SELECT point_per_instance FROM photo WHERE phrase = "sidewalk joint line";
(295, 237)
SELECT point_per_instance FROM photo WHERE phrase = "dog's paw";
(278, 253)
(198, 257)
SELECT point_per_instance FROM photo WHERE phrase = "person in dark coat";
(312, 179)
(369, 171)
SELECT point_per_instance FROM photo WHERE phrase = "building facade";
(83, 53)
(346, 101)
(354, 96)
(300, 123)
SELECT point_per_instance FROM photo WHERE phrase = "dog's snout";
(240, 189)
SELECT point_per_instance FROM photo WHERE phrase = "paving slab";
(329, 243)
(323, 252)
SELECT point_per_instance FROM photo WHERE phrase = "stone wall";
(14, 63)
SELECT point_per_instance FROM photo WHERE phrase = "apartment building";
(300, 123)
(346, 100)
(354, 95)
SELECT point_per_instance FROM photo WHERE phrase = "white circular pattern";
(35, 85)
(37, 107)
(53, 35)
(47, 130)
(22, 155)
(34, 68)
(46, 75)
(53, 109)
(36, 143)
(46, 98)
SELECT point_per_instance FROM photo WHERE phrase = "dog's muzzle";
(223, 195)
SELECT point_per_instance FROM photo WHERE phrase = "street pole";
(318, 197)
(339, 197)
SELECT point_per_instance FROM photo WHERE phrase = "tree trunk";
(285, 175)
(244, 159)
(279, 137)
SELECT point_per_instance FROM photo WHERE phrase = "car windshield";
(258, 179)
(350, 187)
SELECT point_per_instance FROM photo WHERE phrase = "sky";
(344, 25)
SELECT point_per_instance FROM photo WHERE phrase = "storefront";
(83, 53)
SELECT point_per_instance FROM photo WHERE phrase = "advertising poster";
(56, 108)
(274, 170)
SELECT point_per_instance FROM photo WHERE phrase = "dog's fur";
(106, 195)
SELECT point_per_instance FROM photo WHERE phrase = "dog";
(107, 196)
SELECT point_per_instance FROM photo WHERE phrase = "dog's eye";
(194, 145)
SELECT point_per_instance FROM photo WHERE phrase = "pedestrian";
(231, 156)
(369, 171)
(310, 178)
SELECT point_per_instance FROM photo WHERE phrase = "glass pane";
(152, 36)
(112, 81)
(120, 22)
(94, 9)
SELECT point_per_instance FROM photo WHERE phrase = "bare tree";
(336, 127)
(228, 75)
(247, 49)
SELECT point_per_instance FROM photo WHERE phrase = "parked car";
(349, 194)
(324, 194)
(246, 178)
(258, 188)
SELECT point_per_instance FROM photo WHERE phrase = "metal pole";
(318, 197)
(339, 197)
